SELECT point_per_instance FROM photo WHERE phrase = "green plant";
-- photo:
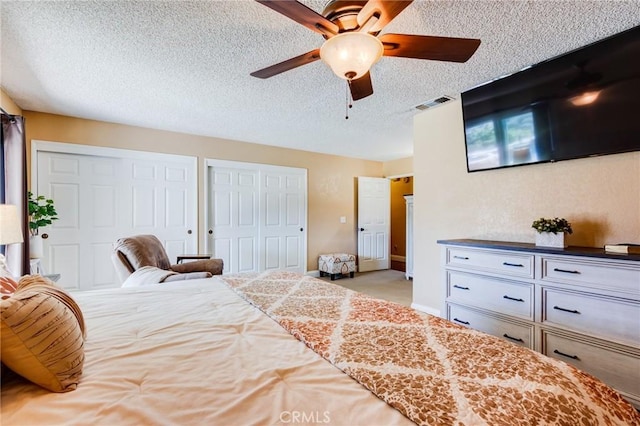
(41, 212)
(554, 225)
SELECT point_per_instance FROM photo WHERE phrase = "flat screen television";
(583, 103)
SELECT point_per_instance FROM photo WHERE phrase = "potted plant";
(551, 232)
(41, 213)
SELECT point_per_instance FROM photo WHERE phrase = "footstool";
(336, 264)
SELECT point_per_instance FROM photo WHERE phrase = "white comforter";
(193, 352)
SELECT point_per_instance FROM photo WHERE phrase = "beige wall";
(331, 179)
(401, 167)
(8, 105)
(399, 188)
(600, 196)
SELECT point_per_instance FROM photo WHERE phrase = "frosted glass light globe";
(351, 55)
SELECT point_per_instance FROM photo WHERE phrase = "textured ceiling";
(184, 66)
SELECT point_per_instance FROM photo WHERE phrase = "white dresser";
(409, 238)
(579, 304)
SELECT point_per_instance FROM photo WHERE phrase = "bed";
(282, 348)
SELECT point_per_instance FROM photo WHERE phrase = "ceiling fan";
(352, 46)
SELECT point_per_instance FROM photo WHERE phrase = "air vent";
(434, 102)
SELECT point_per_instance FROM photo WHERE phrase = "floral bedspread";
(433, 371)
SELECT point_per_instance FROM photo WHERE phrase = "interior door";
(233, 217)
(256, 216)
(102, 198)
(86, 194)
(283, 222)
(162, 201)
(374, 204)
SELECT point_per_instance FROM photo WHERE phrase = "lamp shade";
(351, 55)
(10, 227)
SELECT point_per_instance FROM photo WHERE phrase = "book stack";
(625, 248)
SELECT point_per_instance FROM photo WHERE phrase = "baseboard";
(426, 309)
(315, 273)
(397, 258)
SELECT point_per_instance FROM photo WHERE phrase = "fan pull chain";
(349, 100)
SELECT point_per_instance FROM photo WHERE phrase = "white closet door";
(257, 216)
(87, 197)
(233, 217)
(161, 200)
(102, 198)
(283, 222)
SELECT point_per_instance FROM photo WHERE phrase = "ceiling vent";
(434, 102)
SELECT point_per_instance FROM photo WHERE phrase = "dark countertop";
(532, 248)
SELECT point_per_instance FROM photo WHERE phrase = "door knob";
(189, 232)
(362, 229)
(210, 231)
(301, 229)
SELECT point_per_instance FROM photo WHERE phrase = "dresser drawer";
(512, 264)
(607, 275)
(619, 369)
(519, 334)
(503, 296)
(609, 318)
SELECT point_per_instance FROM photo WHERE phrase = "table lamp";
(10, 232)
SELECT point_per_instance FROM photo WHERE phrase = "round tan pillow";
(7, 287)
(41, 336)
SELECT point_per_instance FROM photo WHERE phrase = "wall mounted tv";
(583, 103)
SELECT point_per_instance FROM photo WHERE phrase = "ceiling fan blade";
(449, 49)
(287, 65)
(384, 10)
(302, 15)
(362, 87)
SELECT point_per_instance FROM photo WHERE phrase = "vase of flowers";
(41, 213)
(551, 232)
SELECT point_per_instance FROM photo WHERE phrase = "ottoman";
(336, 264)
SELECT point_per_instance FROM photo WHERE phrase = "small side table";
(193, 257)
(36, 267)
(52, 277)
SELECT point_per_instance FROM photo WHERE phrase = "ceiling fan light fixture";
(585, 98)
(350, 55)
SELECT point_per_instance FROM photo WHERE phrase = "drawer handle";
(566, 271)
(460, 287)
(571, 311)
(555, 351)
(515, 339)
(512, 298)
(461, 257)
(461, 322)
(518, 265)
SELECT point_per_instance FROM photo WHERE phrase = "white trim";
(210, 162)
(314, 273)
(400, 176)
(74, 148)
(397, 258)
(426, 309)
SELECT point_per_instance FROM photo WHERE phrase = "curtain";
(13, 165)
